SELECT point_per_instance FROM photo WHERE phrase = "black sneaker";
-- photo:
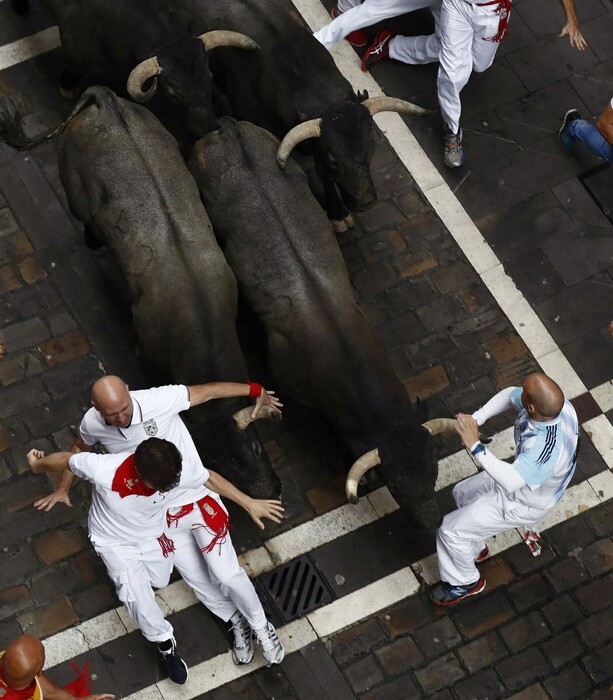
(566, 139)
(445, 594)
(175, 667)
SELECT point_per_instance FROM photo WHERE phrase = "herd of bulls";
(260, 231)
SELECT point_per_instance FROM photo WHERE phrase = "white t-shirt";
(122, 508)
(155, 414)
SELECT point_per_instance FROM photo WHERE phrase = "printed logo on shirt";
(150, 427)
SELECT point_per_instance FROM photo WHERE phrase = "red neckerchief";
(8, 693)
(126, 481)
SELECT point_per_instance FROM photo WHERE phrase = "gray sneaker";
(454, 153)
(242, 646)
(272, 649)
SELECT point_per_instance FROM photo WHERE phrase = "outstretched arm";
(60, 495)
(571, 28)
(497, 404)
(502, 472)
(52, 691)
(257, 508)
(56, 462)
(200, 393)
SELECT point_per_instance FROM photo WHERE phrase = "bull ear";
(362, 95)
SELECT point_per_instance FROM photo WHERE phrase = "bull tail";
(11, 123)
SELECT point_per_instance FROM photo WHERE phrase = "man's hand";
(467, 429)
(34, 457)
(60, 495)
(577, 41)
(259, 508)
(266, 398)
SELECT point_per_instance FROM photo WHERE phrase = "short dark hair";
(158, 462)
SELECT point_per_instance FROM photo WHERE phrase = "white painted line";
(600, 431)
(29, 47)
(603, 396)
(361, 604)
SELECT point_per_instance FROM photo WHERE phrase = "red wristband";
(255, 390)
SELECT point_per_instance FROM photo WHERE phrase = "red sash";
(503, 9)
(215, 518)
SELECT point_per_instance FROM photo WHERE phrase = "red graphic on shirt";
(126, 481)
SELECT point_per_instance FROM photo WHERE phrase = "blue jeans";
(589, 135)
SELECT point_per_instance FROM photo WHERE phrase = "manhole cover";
(294, 589)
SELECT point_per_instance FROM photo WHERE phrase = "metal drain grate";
(294, 589)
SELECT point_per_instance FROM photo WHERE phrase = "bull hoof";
(342, 225)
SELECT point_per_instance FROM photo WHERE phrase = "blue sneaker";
(564, 134)
(445, 594)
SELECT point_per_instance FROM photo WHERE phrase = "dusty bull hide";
(281, 247)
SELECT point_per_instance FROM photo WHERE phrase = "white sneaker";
(272, 649)
(242, 647)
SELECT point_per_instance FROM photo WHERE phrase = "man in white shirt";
(506, 495)
(126, 521)
(196, 538)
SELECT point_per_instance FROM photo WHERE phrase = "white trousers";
(134, 569)
(356, 16)
(484, 510)
(216, 577)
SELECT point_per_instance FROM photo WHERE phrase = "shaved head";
(542, 397)
(111, 396)
(23, 659)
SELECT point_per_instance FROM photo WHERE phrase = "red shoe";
(378, 50)
(357, 38)
(483, 554)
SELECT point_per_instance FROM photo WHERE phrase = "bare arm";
(605, 123)
(571, 28)
(56, 462)
(200, 393)
(52, 691)
(60, 495)
(257, 508)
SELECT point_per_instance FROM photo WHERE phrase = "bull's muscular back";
(281, 247)
(125, 178)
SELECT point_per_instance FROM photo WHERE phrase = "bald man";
(505, 495)
(196, 538)
(21, 676)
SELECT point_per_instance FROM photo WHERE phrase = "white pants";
(134, 569)
(356, 16)
(216, 577)
(484, 510)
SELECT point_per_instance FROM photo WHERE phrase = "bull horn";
(243, 417)
(393, 104)
(440, 425)
(360, 467)
(301, 132)
(148, 68)
(224, 37)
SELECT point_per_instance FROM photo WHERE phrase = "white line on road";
(29, 47)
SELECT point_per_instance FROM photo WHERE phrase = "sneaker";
(272, 649)
(378, 50)
(357, 38)
(483, 554)
(175, 667)
(242, 647)
(445, 594)
(454, 153)
(564, 135)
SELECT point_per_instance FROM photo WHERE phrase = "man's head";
(23, 659)
(541, 397)
(158, 463)
(111, 397)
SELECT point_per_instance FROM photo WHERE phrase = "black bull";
(280, 245)
(293, 80)
(125, 179)
(139, 44)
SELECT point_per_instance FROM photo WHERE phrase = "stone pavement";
(543, 627)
